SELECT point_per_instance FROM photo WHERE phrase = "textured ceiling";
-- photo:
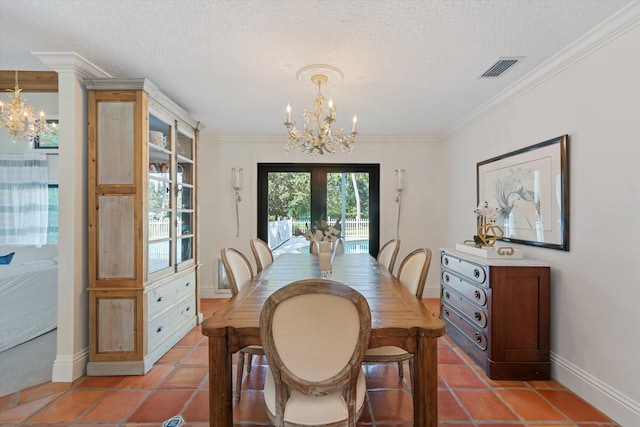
(410, 67)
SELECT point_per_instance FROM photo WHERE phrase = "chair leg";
(412, 372)
(236, 398)
(400, 371)
(249, 363)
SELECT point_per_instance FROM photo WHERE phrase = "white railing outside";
(159, 228)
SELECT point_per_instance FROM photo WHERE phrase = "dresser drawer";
(470, 291)
(167, 294)
(163, 326)
(474, 314)
(473, 333)
(476, 273)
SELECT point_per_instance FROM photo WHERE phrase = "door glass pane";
(348, 201)
(159, 255)
(289, 207)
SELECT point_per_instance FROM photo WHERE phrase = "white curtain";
(24, 201)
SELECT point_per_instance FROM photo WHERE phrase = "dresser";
(497, 311)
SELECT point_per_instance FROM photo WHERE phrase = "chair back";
(414, 269)
(388, 253)
(315, 334)
(261, 253)
(237, 267)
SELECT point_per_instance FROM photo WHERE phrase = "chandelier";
(319, 136)
(20, 121)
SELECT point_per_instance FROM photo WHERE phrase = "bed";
(28, 296)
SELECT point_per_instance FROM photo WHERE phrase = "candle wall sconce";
(400, 177)
(236, 180)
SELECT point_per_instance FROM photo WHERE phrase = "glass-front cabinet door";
(161, 184)
(185, 213)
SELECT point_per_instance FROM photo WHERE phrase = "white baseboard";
(616, 405)
(431, 292)
(66, 369)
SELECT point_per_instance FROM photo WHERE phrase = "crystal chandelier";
(20, 121)
(319, 135)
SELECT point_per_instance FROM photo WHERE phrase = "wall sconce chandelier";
(400, 182)
(236, 184)
(319, 136)
(20, 121)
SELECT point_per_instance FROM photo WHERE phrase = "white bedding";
(28, 301)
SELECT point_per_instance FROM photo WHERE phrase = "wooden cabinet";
(142, 225)
(498, 312)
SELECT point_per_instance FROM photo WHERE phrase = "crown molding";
(610, 29)
(70, 61)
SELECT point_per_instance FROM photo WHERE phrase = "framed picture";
(530, 189)
(48, 139)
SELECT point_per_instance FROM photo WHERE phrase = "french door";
(306, 192)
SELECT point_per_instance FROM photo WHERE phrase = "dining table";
(398, 318)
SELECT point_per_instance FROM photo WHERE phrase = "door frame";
(318, 204)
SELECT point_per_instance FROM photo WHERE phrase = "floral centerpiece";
(488, 231)
(321, 231)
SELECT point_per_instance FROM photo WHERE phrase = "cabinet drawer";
(472, 292)
(474, 272)
(475, 314)
(167, 294)
(473, 333)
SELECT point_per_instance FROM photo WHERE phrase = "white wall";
(421, 210)
(595, 286)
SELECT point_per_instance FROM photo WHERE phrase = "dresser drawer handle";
(477, 316)
(477, 337)
(187, 284)
(188, 308)
(446, 261)
(160, 328)
(159, 299)
(446, 312)
(446, 295)
(476, 273)
(476, 294)
(446, 278)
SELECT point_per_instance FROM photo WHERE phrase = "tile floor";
(178, 384)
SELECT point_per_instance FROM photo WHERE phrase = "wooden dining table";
(397, 318)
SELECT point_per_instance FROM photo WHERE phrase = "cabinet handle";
(446, 261)
(160, 328)
(187, 284)
(446, 312)
(446, 278)
(476, 273)
(476, 294)
(446, 295)
(477, 337)
(188, 308)
(477, 316)
(159, 299)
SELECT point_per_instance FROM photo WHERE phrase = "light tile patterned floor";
(178, 383)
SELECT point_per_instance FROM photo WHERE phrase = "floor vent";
(502, 65)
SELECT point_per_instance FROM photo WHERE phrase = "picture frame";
(48, 141)
(530, 189)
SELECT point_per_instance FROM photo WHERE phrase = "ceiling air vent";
(502, 65)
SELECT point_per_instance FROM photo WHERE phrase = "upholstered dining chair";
(388, 253)
(315, 333)
(261, 253)
(412, 274)
(240, 273)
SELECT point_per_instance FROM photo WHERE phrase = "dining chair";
(262, 253)
(388, 253)
(412, 274)
(240, 273)
(315, 334)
